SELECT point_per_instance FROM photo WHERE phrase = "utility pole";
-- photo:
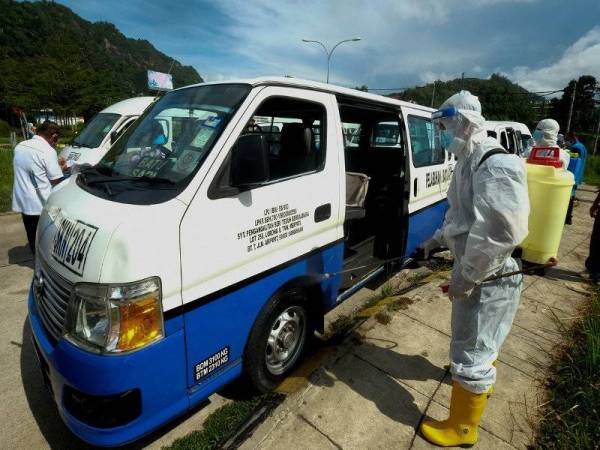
(571, 107)
(432, 95)
(463, 81)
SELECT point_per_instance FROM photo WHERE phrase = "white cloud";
(401, 39)
(582, 58)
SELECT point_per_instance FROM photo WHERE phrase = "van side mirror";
(249, 161)
(113, 137)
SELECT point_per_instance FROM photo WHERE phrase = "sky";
(540, 44)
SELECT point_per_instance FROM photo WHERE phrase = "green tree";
(585, 112)
(52, 58)
(500, 98)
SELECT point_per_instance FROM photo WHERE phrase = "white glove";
(428, 246)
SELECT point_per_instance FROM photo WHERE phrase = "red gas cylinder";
(545, 156)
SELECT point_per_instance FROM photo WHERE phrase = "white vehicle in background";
(513, 136)
(95, 139)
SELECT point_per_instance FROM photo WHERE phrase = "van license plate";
(72, 243)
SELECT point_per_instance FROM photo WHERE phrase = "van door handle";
(323, 212)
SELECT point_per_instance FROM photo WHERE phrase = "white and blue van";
(92, 143)
(201, 248)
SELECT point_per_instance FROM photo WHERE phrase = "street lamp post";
(330, 52)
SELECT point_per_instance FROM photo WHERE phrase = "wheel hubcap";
(285, 340)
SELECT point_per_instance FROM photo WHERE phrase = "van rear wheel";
(277, 340)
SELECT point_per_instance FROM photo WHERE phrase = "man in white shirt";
(36, 170)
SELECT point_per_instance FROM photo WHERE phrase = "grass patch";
(571, 418)
(383, 317)
(6, 180)
(400, 304)
(592, 170)
(223, 424)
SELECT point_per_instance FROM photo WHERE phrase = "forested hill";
(52, 58)
(500, 98)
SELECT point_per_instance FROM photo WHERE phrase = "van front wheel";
(277, 340)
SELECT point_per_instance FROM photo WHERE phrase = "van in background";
(513, 136)
(89, 146)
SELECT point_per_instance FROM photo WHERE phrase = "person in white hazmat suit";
(486, 220)
(546, 135)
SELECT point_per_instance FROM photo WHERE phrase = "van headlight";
(113, 318)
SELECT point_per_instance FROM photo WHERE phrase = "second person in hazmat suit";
(487, 219)
(546, 135)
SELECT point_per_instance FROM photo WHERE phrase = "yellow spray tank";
(549, 186)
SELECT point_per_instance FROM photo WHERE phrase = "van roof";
(317, 86)
(493, 124)
(130, 107)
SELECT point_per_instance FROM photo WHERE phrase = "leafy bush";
(592, 170)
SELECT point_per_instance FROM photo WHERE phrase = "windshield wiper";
(144, 179)
(79, 144)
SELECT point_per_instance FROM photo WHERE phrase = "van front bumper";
(115, 399)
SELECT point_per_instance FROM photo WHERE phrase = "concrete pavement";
(375, 389)
(372, 391)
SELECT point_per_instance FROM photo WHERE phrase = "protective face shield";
(458, 118)
(444, 118)
(160, 139)
(446, 138)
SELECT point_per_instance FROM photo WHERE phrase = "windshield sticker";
(277, 223)
(207, 366)
(187, 161)
(72, 243)
(212, 122)
(148, 166)
(202, 137)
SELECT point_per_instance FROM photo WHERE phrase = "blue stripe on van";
(423, 223)
(227, 319)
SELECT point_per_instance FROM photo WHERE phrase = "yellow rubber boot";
(460, 429)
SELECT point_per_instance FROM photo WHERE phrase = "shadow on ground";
(21, 256)
(380, 386)
(555, 273)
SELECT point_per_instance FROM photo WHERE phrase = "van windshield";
(171, 140)
(96, 130)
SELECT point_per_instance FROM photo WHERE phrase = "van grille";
(52, 293)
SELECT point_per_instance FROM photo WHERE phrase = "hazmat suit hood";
(466, 126)
(546, 133)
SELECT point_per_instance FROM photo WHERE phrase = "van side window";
(426, 150)
(504, 140)
(293, 129)
(351, 132)
(386, 134)
(519, 142)
(492, 134)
